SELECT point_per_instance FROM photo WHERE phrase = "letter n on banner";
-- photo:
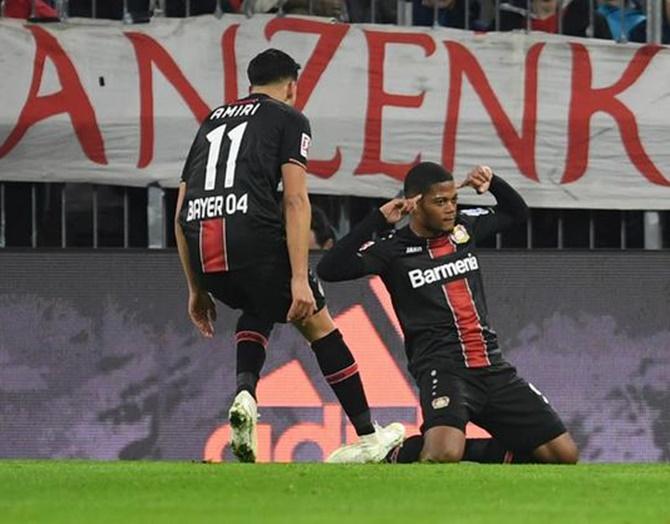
(71, 99)
(521, 146)
(149, 52)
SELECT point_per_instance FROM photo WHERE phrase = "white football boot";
(243, 415)
(370, 448)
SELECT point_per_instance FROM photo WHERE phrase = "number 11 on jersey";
(215, 138)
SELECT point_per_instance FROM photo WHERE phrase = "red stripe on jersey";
(439, 247)
(467, 323)
(213, 255)
(462, 305)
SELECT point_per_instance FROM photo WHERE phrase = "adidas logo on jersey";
(418, 277)
(413, 249)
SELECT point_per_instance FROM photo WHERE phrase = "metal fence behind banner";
(84, 215)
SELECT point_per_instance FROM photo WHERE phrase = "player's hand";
(202, 311)
(397, 208)
(479, 179)
(303, 304)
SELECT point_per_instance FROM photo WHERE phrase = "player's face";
(437, 208)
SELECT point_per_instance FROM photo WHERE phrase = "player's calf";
(339, 368)
(251, 337)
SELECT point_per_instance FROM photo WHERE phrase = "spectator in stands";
(634, 19)
(451, 13)
(139, 10)
(543, 17)
(322, 233)
(359, 11)
(177, 8)
(327, 8)
(110, 9)
(23, 8)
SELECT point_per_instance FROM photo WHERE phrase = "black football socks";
(251, 337)
(341, 371)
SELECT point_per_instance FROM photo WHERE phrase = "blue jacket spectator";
(634, 20)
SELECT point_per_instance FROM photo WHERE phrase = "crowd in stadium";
(575, 18)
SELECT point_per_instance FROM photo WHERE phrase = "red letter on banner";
(520, 146)
(71, 99)
(150, 52)
(230, 88)
(330, 39)
(586, 101)
(371, 163)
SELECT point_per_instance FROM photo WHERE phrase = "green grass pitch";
(126, 492)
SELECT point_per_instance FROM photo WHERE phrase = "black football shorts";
(512, 410)
(262, 289)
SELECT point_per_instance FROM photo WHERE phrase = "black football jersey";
(436, 288)
(435, 283)
(231, 213)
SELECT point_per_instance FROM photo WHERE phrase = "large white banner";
(569, 123)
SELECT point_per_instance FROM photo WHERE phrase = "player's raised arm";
(347, 260)
(510, 207)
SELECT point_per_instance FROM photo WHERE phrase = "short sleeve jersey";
(231, 214)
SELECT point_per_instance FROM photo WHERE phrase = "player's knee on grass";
(561, 450)
(441, 454)
(443, 445)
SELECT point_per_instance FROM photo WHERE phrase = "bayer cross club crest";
(460, 234)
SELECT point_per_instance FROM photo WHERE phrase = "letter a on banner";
(71, 99)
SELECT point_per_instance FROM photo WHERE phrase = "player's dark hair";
(323, 231)
(422, 176)
(270, 66)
